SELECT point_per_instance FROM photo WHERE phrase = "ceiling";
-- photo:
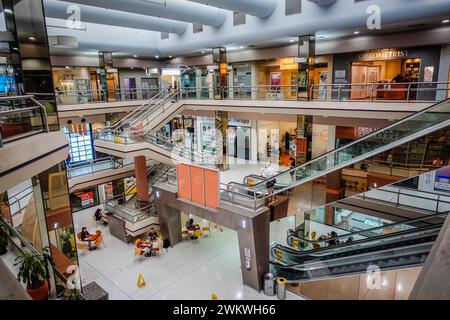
(133, 28)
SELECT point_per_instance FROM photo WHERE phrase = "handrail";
(136, 111)
(371, 229)
(374, 133)
(28, 245)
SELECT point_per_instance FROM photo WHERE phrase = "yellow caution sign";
(141, 282)
(214, 296)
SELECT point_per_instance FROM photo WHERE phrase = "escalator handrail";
(355, 242)
(340, 259)
(422, 232)
(372, 229)
(355, 141)
(156, 106)
(137, 111)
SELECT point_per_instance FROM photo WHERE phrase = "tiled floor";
(190, 270)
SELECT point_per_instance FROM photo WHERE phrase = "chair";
(206, 229)
(137, 242)
(95, 221)
(79, 236)
(138, 252)
(98, 232)
(82, 246)
(198, 233)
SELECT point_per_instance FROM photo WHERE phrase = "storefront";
(282, 75)
(170, 78)
(71, 80)
(387, 66)
(198, 80)
(139, 83)
(81, 143)
(239, 138)
(277, 141)
(84, 199)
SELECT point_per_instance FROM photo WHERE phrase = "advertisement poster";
(275, 80)
(87, 199)
(442, 179)
(428, 74)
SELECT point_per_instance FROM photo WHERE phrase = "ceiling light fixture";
(170, 56)
(356, 32)
(135, 56)
(156, 56)
(32, 38)
(202, 52)
(291, 40)
(8, 11)
(446, 21)
(67, 67)
(242, 47)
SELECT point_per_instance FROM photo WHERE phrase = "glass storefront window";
(81, 143)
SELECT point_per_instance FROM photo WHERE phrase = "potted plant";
(4, 235)
(33, 271)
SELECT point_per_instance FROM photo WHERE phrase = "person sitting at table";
(152, 235)
(85, 234)
(190, 225)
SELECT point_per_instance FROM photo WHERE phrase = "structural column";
(304, 139)
(306, 61)
(220, 71)
(29, 49)
(140, 169)
(118, 188)
(222, 140)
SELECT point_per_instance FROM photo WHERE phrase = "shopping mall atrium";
(224, 149)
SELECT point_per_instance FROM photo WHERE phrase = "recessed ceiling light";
(170, 56)
(446, 21)
(67, 67)
(202, 52)
(291, 40)
(135, 56)
(8, 11)
(242, 47)
(156, 56)
(16, 49)
(356, 32)
(32, 38)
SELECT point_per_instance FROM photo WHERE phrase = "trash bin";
(269, 284)
(281, 288)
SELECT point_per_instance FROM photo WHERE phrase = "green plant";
(4, 236)
(32, 271)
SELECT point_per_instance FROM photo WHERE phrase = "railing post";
(408, 93)
(339, 92)
(371, 92)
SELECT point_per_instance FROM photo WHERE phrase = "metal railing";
(412, 198)
(25, 247)
(96, 96)
(25, 117)
(96, 165)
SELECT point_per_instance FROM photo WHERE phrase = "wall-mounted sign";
(239, 123)
(288, 64)
(339, 74)
(151, 71)
(383, 54)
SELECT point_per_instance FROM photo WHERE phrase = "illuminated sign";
(384, 54)
(288, 64)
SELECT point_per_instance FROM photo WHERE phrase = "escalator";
(392, 246)
(420, 134)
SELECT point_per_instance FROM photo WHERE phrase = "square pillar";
(140, 169)
(222, 140)
(306, 61)
(220, 71)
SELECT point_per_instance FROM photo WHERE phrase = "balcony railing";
(21, 117)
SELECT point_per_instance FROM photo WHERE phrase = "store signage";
(87, 199)
(384, 54)
(239, 123)
(170, 72)
(288, 64)
(151, 71)
(363, 131)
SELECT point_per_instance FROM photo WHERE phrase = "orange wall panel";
(211, 188)
(197, 185)
(183, 181)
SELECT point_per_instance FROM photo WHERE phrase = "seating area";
(92, 242)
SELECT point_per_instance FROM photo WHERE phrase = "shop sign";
(288, 64)
(87, 199)
(239, 123)
(363, 131)
(151, 71)
(384, 54)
